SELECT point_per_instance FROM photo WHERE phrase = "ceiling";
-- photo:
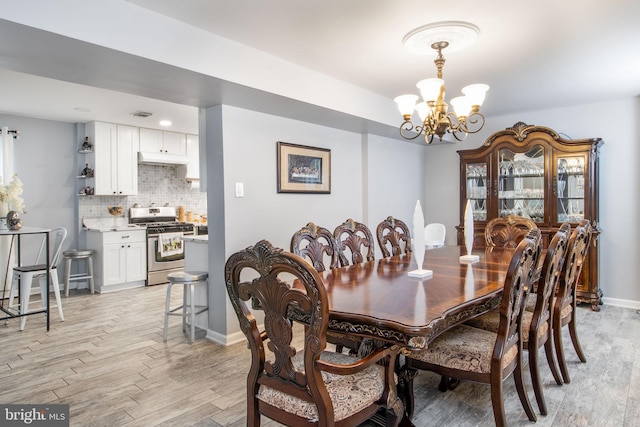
(534, 55)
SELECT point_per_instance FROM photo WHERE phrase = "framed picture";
(303, 169)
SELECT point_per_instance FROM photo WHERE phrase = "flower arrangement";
(11, 195)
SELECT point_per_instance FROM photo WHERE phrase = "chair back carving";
(275, 297)
(357, 238)
(315, 243)
(507, 231)
(578, 247)
(520, 274)
(564, 311)
(394, 232)
(286, 384)
(552, 268)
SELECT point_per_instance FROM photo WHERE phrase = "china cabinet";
(531, 171)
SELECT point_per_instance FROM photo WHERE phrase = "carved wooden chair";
(537, 323)
(467, 353)
(394, 232)
(315, 243)
(564, 311)
(311, 386)
(434, 235)
(357, 238)
(507, 231)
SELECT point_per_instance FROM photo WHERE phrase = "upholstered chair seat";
(465, 348)
(349, 394)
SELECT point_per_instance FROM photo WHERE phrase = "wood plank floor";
(108, 362)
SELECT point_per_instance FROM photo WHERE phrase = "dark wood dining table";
(379, 300)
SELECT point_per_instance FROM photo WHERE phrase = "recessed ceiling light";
(165, 123)
(82, 109)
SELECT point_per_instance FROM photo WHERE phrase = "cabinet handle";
(125, 237)
(555, 187)
(495, 187)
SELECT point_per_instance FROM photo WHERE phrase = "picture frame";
(303, 169)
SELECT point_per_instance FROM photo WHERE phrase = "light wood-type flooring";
(108, 362)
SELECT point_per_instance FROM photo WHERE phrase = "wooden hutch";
(532, 172)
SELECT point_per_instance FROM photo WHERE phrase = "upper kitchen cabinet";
(159, 141)
(115, 150)
(532, 172)
(192, 168)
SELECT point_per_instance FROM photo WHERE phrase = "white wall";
(45, 161)
(394, 180)
(392, 171)
(616, 122)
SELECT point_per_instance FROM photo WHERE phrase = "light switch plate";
(239, 189)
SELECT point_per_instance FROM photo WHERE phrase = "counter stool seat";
(189, 280)
(76, 254)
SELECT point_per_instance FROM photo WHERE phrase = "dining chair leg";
(55, 284)
(557, 343)
(498, 403)
(522, 393)
(406, 375)
(574, 338)
(535, 377)
(551, 360)
(26, 280)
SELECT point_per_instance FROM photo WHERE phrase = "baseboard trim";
(225, 340)
(625, 303)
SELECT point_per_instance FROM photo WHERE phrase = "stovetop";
(169, 227)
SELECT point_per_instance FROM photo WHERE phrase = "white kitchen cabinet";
(115, 148)
(192, 169)
(159, 141)
(120, 259)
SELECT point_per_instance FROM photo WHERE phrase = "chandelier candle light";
(433, 111)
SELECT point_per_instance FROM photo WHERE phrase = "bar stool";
(75, 254)
(189, 310)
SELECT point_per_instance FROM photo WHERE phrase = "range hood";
(149, 158)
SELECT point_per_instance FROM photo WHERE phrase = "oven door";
(157, 261)
(159, 266)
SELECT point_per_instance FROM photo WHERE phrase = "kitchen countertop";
(196, 239)
(108, 224)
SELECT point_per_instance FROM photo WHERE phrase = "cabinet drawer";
(124, 236)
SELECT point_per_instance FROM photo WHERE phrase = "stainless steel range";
(165, 248)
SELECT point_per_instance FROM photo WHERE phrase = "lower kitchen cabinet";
(120, 259)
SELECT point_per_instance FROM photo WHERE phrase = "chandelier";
(433, 111)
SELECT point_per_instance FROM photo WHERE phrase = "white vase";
(4, 210)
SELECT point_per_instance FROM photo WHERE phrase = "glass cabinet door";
(476, 177)
(521, 183)
(570, 188)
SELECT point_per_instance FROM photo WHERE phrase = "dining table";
(379, 300)
(381, 303)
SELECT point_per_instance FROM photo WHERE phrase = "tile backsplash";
(157, 184)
